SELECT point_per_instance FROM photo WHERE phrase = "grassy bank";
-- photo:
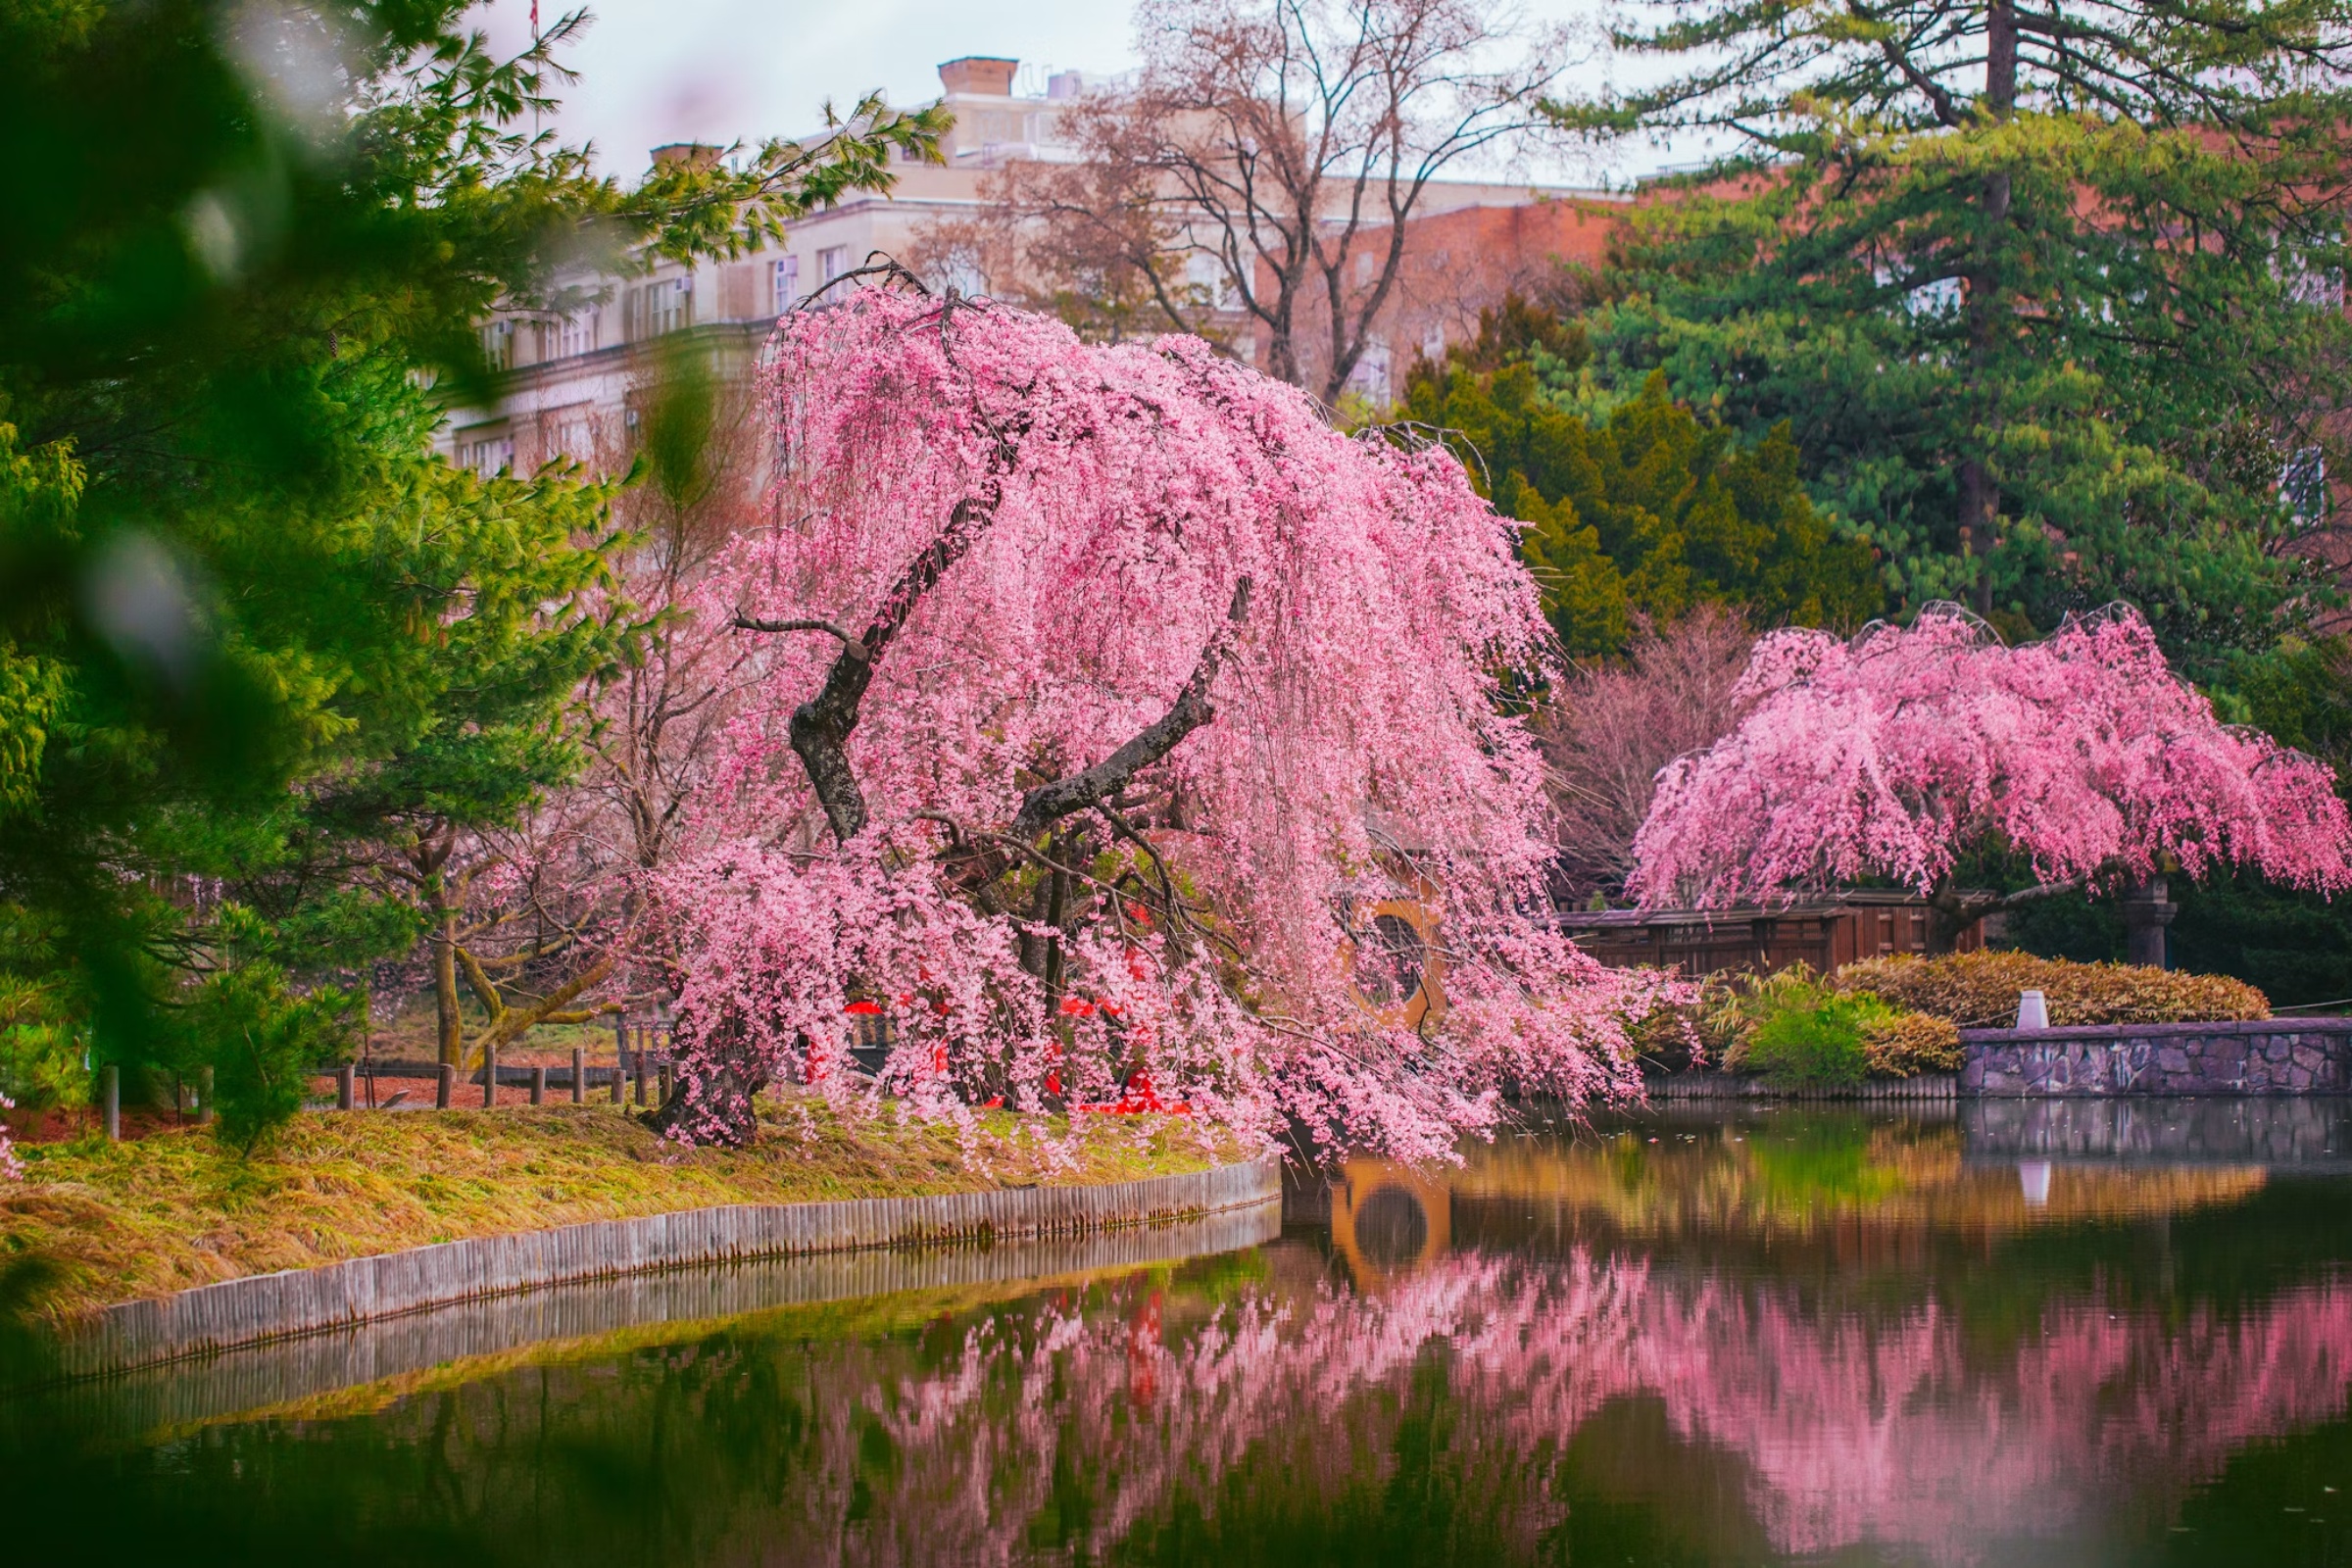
(117, 1222)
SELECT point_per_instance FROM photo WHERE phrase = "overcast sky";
(717, 70)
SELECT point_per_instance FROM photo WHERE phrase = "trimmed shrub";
(1793, 1028)
(1822, 1044)
(1731, 1007)
(1979, 990)
(1905, 1045)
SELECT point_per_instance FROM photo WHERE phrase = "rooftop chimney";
(979, 74)
(693, 154)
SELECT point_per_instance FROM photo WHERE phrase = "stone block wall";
(2263, 1056)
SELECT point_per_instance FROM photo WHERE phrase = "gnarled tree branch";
(971, 867)
(1047, 803)
(849, 643)
(821, 726)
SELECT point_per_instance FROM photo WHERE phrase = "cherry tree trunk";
(712, 1101)
(1947, 917)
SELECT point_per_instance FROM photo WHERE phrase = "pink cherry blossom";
(1894, 753)
(10, 1165)
(1019, 554)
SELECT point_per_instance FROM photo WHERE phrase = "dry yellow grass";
(119, 1222)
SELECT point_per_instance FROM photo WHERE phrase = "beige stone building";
(572, 387)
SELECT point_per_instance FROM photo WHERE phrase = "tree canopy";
(2048, 298)
(1642, 514)
(1113, 700)
(1901, 752)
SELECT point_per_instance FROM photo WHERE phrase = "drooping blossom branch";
(1895, 754)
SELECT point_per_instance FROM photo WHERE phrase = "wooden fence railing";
(643, 1069)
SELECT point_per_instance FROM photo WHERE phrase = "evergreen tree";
(2049, 296)
(1643, 513)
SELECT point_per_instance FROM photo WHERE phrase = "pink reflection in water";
(1894, 1430)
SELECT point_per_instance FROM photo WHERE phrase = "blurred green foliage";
(256, 640)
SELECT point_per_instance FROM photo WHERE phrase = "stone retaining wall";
(272, 1306)
(2263, 1056)
(1932, 1086)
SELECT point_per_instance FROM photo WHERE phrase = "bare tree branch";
(849, 643)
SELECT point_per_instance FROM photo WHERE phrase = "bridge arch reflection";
(1387, 1220)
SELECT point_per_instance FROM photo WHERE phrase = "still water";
(2013, 1335)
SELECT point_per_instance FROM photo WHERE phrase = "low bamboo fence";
(1939, 1086)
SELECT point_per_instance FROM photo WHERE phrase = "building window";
(664, 304)
(486, 455)
(498, 344)
(2303, 487)
(962, 273)
(1369, 379)
(831, 263)
(567, 336)
(786, 287)
(1207, 283)
(571, 433)
(2310, 273)
(1936, 299)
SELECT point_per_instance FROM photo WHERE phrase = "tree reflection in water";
(1746, 1341)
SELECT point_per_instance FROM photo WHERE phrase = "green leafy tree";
(1642, 513)
(2049, 296)
(258, 645)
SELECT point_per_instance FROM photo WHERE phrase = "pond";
(1985, 1334)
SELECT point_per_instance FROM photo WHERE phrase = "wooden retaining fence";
(1934, 1087)
(186, 1393)
(298, 1301)
(509, 1075)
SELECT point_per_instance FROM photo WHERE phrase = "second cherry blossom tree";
(1896, 753)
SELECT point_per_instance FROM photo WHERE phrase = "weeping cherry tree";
(1108, 697)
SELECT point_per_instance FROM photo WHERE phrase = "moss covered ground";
(114, 1222)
